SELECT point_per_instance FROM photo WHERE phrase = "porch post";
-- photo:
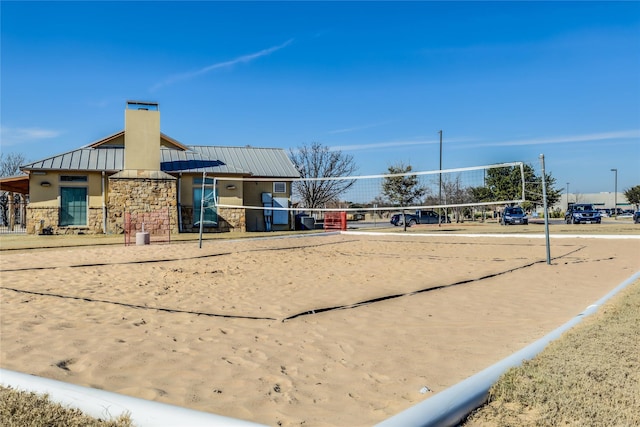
(12, 211)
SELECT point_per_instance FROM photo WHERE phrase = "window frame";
(212, 221)
(69, 179)
(276, 188)
(80, 213)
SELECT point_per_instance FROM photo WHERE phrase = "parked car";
(420, 217)
(513, 215)
(636, 217)
(582, 213)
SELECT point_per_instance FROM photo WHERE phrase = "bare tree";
(455, 193)
(9, 166)
(10, 163)
(318, 161)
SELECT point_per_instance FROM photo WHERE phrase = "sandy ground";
(239, 328)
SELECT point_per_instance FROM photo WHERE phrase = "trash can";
(299, 217)
(308, 223)
(142, 238)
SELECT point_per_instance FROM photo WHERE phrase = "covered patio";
(14, 194)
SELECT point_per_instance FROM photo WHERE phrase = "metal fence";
(156, 223)
(13, 217)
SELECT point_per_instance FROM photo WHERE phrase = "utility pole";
(440, 181)
(615, 193)
(567, 195)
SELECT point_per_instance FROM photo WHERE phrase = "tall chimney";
(142, 136)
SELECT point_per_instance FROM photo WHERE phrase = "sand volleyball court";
(327, 330)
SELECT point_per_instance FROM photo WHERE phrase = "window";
(210, 217)
(198, 181)
(73, 206)
(279, 187)
(73, 178)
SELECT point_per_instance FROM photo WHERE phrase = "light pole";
(615, 193)
(567, 195)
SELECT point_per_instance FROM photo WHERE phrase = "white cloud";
(392, 144)
(593, 137)
(468, 142)
(357, 128)
(226, 64)
(15, 136)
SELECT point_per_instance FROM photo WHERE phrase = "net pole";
(546, 212)
(204, 176)
(440, 183)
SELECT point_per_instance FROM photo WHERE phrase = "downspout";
(104, 205)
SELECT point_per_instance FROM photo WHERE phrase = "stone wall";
(39, 218)
(229, 219)
(147, 198)
(232, 219)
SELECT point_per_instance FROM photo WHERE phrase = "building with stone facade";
(142, 176)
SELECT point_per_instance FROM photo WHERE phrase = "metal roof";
(259, 162)
(109, 159)
(190, 161)
(246, 161)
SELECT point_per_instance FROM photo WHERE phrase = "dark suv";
(514, 215)
(582, 213)
(420, 217)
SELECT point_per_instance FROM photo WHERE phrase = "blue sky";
(504, 81)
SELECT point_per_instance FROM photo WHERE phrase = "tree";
(534, 189)
(633, 195)
(9, 166)
(317, 161)
(455, 193)
(506, 184)
(402, 190)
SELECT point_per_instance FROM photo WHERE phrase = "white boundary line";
(524, 236)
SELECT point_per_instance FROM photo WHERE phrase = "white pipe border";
(454, 404)
(444, 409)
(107, 405)
(509, 235)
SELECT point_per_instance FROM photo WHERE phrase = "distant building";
(605, 200)
(141, 171)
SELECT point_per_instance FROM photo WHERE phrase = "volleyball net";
(486, 186)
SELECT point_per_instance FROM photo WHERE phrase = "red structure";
(156, 223)
(335, 221)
